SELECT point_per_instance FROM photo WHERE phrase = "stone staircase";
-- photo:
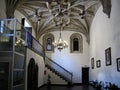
(67, 79)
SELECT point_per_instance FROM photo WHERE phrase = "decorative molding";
(45, 37)
(11, 6)
(106, 7)
(76, 35)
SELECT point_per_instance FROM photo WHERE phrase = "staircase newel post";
(49, 82)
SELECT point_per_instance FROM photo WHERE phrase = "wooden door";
(31, 75)
(85, 75)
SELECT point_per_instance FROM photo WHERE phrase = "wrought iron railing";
(13, 34)
(13, 40)
(34, 44)
(59, 69)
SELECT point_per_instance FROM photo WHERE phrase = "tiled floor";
(74, 87)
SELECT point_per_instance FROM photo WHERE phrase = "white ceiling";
(49, 15)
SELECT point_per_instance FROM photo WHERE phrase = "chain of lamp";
(61, 44)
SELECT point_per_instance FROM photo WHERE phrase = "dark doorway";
(36, 77)
(32, 75)
(85, 75)
(4, 75)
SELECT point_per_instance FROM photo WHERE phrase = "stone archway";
(32, 77)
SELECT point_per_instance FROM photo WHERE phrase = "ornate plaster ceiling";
(49, 15)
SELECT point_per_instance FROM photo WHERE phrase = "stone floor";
(74, 87)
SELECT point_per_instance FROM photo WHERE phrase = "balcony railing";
(64, 73)
(13, 36)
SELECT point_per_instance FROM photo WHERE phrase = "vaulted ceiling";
(50, 15)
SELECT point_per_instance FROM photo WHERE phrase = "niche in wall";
(76, 43)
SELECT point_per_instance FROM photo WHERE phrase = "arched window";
(47, 42)
(76, 43)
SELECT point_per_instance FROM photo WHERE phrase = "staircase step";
(58, 74)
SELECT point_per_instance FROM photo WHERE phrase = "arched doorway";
(32, 78)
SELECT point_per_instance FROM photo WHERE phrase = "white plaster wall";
(19, 16)
(55, 79)
(40, 62)
(104, 33)
(73, 62)
(2, 9)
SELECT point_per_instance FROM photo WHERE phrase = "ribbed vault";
(49, 15)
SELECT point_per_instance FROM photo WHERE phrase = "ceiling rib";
(75, 12)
